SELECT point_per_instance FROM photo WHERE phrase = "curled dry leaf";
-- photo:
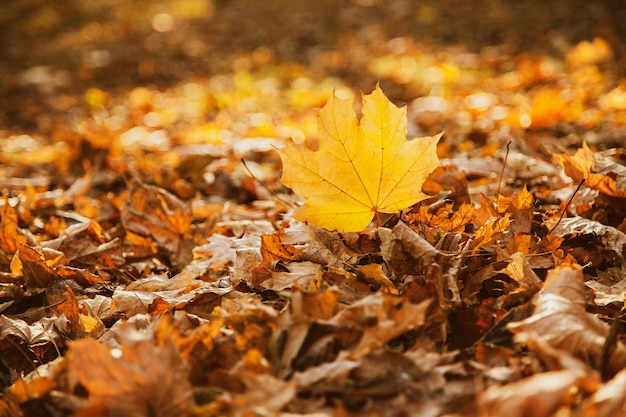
(305, 275)
(84, 244)
(513, 284)
(406, 251)
(316, 244)
(607, 294)
(272, 250)
(377, 376)
(220, 250)
(539, 395)
(295, 323)
(604, 244)
(157, 294)
(409, 254)
(609, 399)
(24, 345)
(266, 395)
(62, 301)
(391, 317)
(560, 320)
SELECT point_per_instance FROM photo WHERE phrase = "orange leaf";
(132, 379)
(161, 217)
(598, 173)
(9, 232)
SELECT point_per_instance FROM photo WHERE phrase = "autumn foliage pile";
(153, 264)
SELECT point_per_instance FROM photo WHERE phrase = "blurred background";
(52, 52)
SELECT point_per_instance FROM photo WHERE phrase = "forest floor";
(150, 263)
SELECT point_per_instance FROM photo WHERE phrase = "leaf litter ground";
(144, 271)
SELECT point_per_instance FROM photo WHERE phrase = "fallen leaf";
(219, 249)
(265, 395)
(153, 213)
(294, 325)
(521, 209)
(361, 168)
(539, 395)
(598, 173)
(406, 251)
(609, 399)
(375, 377)
(273, 250)
(135, 379)
(304, 275)
(381, 318)
(84, 244)
(561, 305)
(527, 282)
(23, 345)
(605, 294)
(316, 244)
(375, 273)
(609, 243)
(30, 263)
(9, 231)
(63, 302)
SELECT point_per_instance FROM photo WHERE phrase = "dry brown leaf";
(31, 263)
(603, 244)
(305, 275)
(132, 380)
(376, 376)
(220, 250)
(609, 399)
(449, 180)
(23, 345)
(381, 319)
(539, 395)
(604, 294)
(155, 214)
(560, 320)
(293, 326)
(248, 256)
(444, 217)
(316, 244)
(406, 251)
(77, 324)
(528, 283)
(265, 395)
(521, 209)
(273, 250)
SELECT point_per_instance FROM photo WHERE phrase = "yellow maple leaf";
(361, 168)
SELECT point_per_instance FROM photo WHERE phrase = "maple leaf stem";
(506, 157)
(379, 222)
(245, 165)
(580, 184)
